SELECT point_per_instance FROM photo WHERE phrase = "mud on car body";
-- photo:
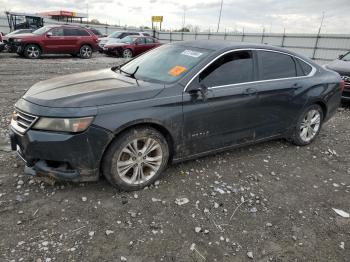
(179, 101)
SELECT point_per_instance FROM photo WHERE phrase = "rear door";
(72, 38)
(277, 88)
(150, 43)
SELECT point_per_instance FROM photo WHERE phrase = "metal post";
(220, 16)
(262, 36)
(225, 34)
(318, 37)
(242, 35)
(283, 37)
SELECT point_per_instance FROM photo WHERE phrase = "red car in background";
(55, 39)
(131, 46)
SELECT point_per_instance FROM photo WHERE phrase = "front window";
(233, 68)
(165, 64)
(126, 39)
(346, 57)
(42, 30)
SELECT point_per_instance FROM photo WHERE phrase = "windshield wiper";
(132, 75)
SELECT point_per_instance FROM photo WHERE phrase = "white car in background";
(116, 36)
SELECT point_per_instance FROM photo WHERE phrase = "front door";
(54, 40)
(140, 46)
(225, 115)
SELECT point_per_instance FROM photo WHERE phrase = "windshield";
(126, 39)
(115, 34)
(346, 57)
(165, 64)
(42, 30)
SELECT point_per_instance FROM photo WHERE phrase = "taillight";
(342, 85)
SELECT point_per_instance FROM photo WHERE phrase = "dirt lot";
(269, 202)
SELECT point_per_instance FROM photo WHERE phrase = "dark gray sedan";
(177, 102)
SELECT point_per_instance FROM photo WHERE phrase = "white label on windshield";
(192, 53)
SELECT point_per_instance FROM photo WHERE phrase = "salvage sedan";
(130, 46)
(177, 102)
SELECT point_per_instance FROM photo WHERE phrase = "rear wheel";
(32, 51)
(127, 53)
(85, 52)
(136, 159)
(308, 126)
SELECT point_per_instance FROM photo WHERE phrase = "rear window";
(275, 65)
(305, 68)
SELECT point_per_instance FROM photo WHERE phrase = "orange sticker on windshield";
(177, 70)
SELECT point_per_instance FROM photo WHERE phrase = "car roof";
(223, 45)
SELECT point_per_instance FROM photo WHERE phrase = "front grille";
(346, 81)
(21, 121)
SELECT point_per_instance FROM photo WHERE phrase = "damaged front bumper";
(62, 156)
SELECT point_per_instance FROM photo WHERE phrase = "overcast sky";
(297, 16)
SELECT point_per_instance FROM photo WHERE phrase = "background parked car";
(96, 32)
(131, 46)
(342, 66)
(2, 45)
(13, 33)
(116, 36)
(56, 39)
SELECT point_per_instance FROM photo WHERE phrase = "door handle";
(296, 86)
(250, 91)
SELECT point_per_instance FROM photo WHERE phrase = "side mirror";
(199, 88)
(340, 57)
(49, 34)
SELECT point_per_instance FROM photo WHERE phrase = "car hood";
(109, 44)
(340, 66)
(94, 88)
(26, 35)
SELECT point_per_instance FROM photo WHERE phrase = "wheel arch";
(33, 43)
(322, 104)
(143, 123)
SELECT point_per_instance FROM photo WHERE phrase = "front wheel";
(136, 159)
(32, 51)
(85, 52)
(127, 53)
(308, 126)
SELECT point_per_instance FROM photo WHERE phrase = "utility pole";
(184, 19)
(222, 1)
(87, 10)
(319, 30)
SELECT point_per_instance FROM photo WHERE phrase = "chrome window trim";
(312, 73)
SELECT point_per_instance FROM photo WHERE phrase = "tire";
(127, 53)
(32, 51)
(129, 171)
(85, 52)
(308, 126)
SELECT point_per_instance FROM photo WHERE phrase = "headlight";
(73, 125)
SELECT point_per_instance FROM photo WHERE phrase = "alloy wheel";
(310, 125)
(85, 51)
(139, 161)
(33, 52)
(127, 53)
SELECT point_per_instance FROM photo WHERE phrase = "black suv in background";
(342, 66)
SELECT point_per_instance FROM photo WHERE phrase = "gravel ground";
(269, 202)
